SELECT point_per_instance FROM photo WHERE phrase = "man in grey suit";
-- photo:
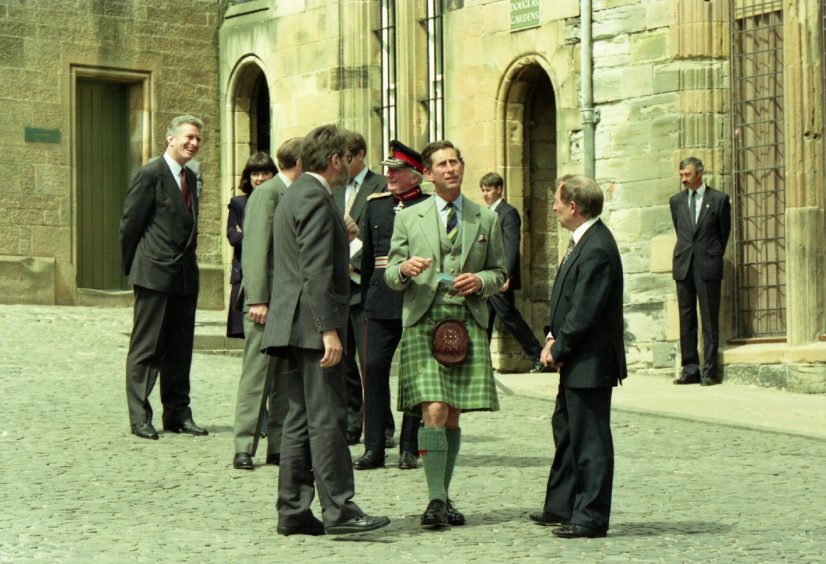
(306, 325)
(350, 200)
(261, 375)
(586, 344)
(158, 236)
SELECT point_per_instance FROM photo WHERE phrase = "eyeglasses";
(349, 157)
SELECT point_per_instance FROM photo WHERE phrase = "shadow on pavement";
(658, 528)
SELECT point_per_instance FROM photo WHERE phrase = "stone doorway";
(529, 120)
(252, 116)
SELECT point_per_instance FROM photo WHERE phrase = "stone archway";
(251, 114)
(528, 117)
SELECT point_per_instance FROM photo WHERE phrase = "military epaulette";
(377, 195)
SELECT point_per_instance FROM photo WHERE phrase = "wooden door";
(102, 180)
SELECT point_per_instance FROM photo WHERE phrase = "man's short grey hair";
(584, 191)
(178, 121)
(694, 162)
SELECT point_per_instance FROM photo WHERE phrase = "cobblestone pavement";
(75, 486)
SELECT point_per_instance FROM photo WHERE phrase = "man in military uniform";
(383, 307)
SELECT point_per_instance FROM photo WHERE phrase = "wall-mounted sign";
(524, 14)
(41, 135)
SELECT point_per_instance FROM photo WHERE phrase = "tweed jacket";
(257, 258)
(416, 233)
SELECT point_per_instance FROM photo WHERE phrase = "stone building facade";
(502, 79)
(87, 89)
(738, 83)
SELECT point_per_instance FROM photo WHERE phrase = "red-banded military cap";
(401, 155)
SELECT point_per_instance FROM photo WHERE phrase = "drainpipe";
(590, 116)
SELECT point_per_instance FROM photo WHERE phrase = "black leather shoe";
(435, 515)
(389, 442)
(145, 431)
(187, 426)
(311, 526)
(408, 461)
(686, 379)
(454, 517)
(572, 531)
(369, 460)
(709, 381)
(242, 461)
(358, 525)
(547, 519)
(537, 367)
(274, 459)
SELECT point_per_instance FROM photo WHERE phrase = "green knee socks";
(454, 437)
(439, 448)
(433, 450)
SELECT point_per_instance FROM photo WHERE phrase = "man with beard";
(306, 325)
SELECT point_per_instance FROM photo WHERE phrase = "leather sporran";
(449, 342)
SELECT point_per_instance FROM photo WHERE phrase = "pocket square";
(482, 239)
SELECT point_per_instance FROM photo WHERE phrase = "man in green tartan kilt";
(447, 256)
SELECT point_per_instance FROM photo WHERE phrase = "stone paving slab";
(75, 486)
(767, 409)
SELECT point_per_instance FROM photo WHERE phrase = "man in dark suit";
(306, 325)
(503, 303)
(158, 236)
(586, 344)
(260, 374)
(383, 308)
(350, 200)
(702, 220)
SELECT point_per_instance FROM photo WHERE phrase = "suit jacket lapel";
(192, 183)
(685, 210)
(429, 224)
(563, 272)
(172, 189)
(471, 219)
(360, 201)
(706, 201)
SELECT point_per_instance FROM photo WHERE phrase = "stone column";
(359, 63)
(804, 167)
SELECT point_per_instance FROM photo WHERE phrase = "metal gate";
(759, 168)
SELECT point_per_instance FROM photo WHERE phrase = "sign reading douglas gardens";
(524, 14)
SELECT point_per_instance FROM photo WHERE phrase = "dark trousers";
(163, 330)
(691, 291)
(314, 452)
(503, 304)
(582, 472)
(383, 336)
(353, 354)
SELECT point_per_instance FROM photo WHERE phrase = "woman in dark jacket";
(259, 168)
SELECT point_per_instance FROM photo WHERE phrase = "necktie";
(351, 197)
(185, 189)
(452, 222)
(571, 245)
(692, 207)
